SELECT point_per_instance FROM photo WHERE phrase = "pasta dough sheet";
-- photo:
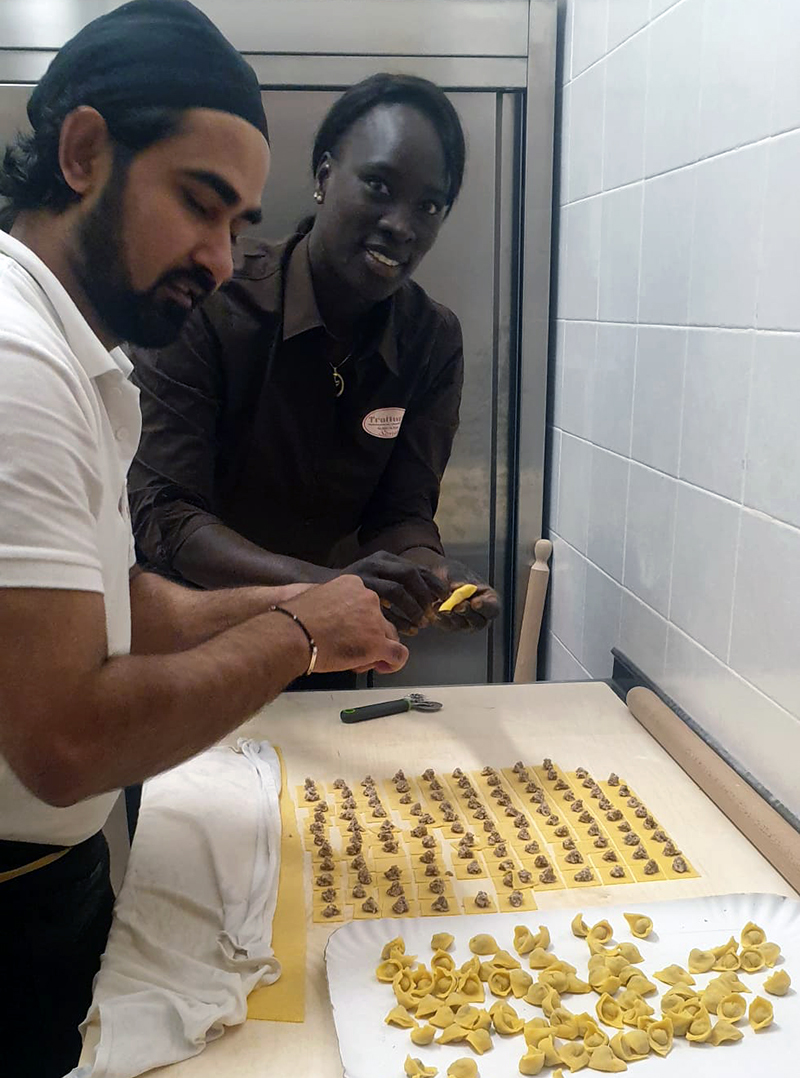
(285, 1000)
(464, 832)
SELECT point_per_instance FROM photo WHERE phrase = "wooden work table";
(578, 723)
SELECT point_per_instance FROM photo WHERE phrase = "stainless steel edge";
(507, 202)
(327, 72)
(373, 27)
(338, 72)
(25, 66)
(535, 300)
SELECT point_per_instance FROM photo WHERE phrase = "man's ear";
(84, 150)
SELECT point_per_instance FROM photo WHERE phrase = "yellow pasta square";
(425, 894)
(496, 872)
(506, 906)
(360, 914)
(603, 871)
(388, 911)
(637, 872)
(470, 907)
(460, 868)
(670, 873)
(557, 885)
(318, 916)
(427, 910)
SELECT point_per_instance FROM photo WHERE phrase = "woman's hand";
(473, 613)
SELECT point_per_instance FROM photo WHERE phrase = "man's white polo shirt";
(69, 426)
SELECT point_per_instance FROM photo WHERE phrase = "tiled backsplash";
(675, 463)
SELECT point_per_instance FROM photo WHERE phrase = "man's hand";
(351, 633)
(407, 591)
(473, 613)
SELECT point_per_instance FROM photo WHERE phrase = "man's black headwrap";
(150, 53)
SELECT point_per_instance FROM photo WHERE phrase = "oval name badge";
(383, 422)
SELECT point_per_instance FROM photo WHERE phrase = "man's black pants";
(54, 923)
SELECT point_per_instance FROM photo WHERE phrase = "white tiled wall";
(675, 504)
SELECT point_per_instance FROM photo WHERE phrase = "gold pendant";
(338, 384)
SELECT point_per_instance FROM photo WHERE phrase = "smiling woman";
(302, 424)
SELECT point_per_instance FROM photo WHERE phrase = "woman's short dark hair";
(384, 89)
(30, 175)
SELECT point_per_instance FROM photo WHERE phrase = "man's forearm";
(215, 556)
(143, 714)
(166, 617)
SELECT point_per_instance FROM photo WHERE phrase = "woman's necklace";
(338, 381)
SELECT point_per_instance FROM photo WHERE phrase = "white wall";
(675, 510)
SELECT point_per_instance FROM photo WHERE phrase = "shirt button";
(121, 433)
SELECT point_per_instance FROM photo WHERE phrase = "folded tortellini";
(630, 1046)
(724, 1033)
(442, 960)
(532, 1062)
(639, 1009)
(701, 961)
(442, 1018)
(467, 1016)
(771, 953)
(601, 932)
(399, 1016)
(728, 962)
(422, 1036)
(452, 1034)
(760, 1014)
(602, 980)
(640, 926)
(442, 941)
(752, 935)
(609, 1011)
(499, 982)
(414, 1069)
(506, 1020)
(524, 939)
(603, 1059)
(470, 987)
(673, 975)
(778, 984)
(564, 1024)
(463, 1068)
(660, 1035)
(574, 1056)
(520, 981)
(539, 958)
(579, 927)
(731, 1007)
(479, 1040)
(751, 959)
(483, 944)
(593, 1036)
(393, 948)
(699, 1028)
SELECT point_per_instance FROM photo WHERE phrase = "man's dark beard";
(140, 318)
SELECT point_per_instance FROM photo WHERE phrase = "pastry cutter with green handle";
(415, 701)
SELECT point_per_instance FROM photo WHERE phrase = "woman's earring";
(319, 197)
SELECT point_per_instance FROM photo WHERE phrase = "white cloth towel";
(192, 928)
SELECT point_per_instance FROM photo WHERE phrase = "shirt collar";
(83, 342)
(301, 313)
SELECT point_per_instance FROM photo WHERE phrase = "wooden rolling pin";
(771, 835)
(525, 666)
